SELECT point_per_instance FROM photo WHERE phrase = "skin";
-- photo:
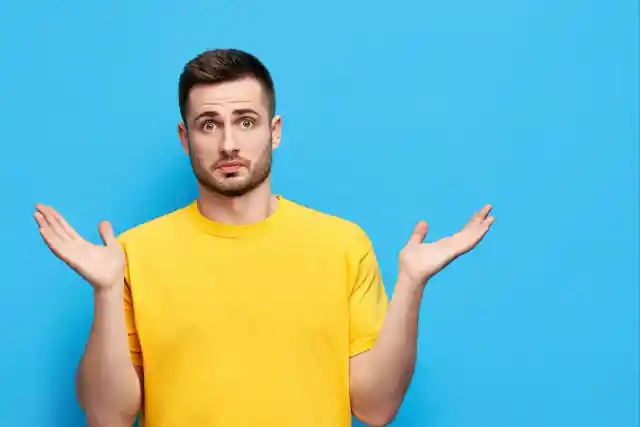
(232, 122)
(108, 386)
(380, 377)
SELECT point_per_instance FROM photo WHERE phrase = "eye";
(209, 126)
(246, 123)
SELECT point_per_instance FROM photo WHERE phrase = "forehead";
(220, 96)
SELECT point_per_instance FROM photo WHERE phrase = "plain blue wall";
(392, 114)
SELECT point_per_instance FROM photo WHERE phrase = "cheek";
(253, 142)
(203, 149)
(255, 151)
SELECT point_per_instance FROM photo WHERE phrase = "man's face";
(229, 136)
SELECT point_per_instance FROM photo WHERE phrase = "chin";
(227, 187)
(233, 184)
(233, 191)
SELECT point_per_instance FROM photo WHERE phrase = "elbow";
(102, 419)
(102, 410)
(97, 420)
(98, 415)
(377, 417)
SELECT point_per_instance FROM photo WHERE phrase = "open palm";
(420, 261)
(101, 265)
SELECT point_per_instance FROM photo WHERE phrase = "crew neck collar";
(236, 231)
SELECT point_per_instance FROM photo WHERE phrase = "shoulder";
(322, 225)
(149, 232)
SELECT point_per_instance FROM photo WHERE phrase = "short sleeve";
(135, 349)
(132, 333)
(368, 301)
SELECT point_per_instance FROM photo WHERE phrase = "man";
(245, 308)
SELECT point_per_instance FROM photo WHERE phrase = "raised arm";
(108, 386)
(380, 377)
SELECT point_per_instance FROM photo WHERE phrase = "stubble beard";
(229, 186)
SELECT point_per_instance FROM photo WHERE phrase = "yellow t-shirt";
(250, 326)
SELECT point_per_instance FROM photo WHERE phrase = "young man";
(244, 308)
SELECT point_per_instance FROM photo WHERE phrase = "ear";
(184, 137)
(276, 131)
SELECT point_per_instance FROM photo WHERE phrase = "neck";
(253, 207)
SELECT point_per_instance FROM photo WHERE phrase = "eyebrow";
(239, 112)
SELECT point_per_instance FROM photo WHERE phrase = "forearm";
(382, 375)
(108, 387)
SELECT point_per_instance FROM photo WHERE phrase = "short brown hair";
(223, 65)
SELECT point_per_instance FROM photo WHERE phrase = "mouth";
(230, 167)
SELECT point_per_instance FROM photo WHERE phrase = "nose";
(229, 144)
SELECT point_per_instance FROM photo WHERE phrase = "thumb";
(106, 233)
(419, 232)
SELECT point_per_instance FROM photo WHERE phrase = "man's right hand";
(101, 265)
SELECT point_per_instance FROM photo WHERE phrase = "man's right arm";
(109, 389)
(108, 385)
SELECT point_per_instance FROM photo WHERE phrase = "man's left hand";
(420, 261)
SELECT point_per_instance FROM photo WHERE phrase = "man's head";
(229, 129)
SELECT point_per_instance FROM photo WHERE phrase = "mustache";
(236, 159)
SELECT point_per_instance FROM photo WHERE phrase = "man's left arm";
(380, 377)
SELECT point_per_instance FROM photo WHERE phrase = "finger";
(49, 215)
(65, 226)
(51, 239)
(489, 221)
(419, 232)
(106, 233)
(49, 236)
(481, 215)
(42, 223)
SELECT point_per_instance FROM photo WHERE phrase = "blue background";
(392, 113)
